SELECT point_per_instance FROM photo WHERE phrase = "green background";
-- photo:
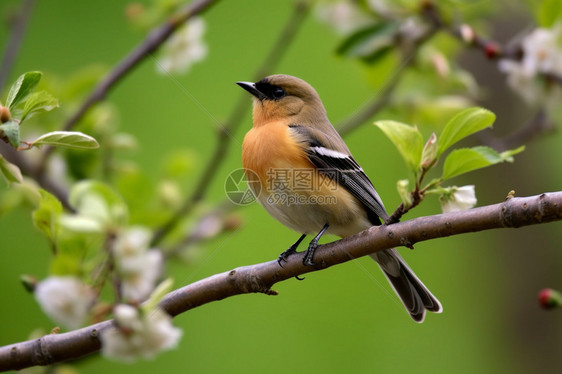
(344, 318)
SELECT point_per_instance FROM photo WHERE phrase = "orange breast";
(272, 147)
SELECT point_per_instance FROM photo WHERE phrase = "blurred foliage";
(156, 133)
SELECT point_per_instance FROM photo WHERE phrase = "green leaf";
(370, 43)
(41, 101)
(461, 161)
(464, 124)
(11, 131)
(46, 216)
(70, 139)
(10, 171)
(548, 12)
(407, 139)
(25, 84)
(73, 251)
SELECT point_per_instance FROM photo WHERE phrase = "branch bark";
(259, 278)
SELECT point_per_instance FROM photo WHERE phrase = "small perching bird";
(301, 171)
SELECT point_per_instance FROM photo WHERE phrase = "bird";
(301, 171)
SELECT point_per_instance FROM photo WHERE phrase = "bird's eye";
(278, 93)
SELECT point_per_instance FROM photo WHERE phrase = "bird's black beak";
(251, 88)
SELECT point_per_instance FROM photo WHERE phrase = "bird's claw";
(307, 259)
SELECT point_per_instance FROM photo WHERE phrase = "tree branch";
(279, 48)
(259, 278)
(13, 46)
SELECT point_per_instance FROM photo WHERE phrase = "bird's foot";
(285, 255)
(292, 249)
(309, 254)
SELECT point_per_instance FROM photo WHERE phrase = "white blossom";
(139, 275)
(541, 54)
(343, 16)
(184, 48)
(139, 334)
(133, 241)
(66, 300)
(459, 198)
(138, 267)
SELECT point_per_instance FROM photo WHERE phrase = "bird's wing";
(341, 167)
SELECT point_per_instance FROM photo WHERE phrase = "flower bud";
(467, 33)
(403, 190)
(491, 50)
(429, 154)
(5, 114)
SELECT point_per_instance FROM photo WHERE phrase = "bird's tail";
(412, 292)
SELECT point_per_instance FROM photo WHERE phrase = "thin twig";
(259, 278)
(16, 37)
(278, 49)
(149, 45)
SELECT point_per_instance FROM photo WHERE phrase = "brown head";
(284, 97)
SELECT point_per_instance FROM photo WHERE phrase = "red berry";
(549, 298)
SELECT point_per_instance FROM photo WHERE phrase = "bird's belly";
(307, 212)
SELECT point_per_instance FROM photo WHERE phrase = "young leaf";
(463, 160)
(11, 131)
(465, 123)
(10, 171)
(508, 155)
(46, 216)
(407, 139)
(70, 139)
(41, 101)
(25, 84)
